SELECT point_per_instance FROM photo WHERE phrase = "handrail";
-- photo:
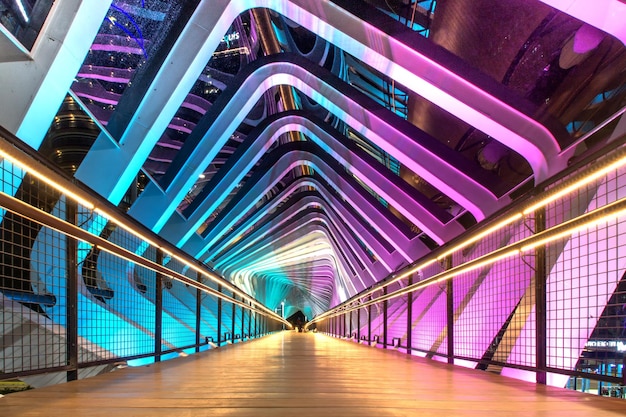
(614, 161)
(14, 151)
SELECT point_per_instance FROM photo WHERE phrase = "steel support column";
(233, 320)
(385, 307)
(219, 317)
(198, 312)
(158, 309)
(450, 310)
(540, 299)
(409, 318)
(369, 323)
(71, 265)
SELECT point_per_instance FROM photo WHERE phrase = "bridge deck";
(295, 374)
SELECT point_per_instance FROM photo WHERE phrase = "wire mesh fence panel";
(487, 309)
(428, 319)
(123, 325)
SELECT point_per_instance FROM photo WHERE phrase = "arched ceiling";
(308, 149)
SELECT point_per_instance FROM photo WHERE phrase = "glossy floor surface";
(296, 374)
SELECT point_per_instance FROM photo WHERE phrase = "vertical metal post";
(243, 322)
(219, 317)
(409, 318)
(342, 325)
(233, 320)
(250, 322)
(540, 300)
(350, 323)
(198, 311)
(450, 311)
(71, 305)
(358, 323)
(369, 322)
(385, 306)
(158, 309)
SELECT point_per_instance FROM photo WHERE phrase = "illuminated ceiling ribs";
(357, 210)
(344, 244)
(309, 232)
(284, 160)
(291, 252)
(414, 206)
(312, 200)
(411, 64)
(437, 164)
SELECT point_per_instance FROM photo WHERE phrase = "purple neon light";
(409, 250)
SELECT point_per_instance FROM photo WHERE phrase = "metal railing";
(538, 292)
(75, 303)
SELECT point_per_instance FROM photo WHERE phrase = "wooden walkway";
(295, 374)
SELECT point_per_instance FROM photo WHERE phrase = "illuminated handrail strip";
(65, 187)
(585, 221)
(612, 163)
(23, 209)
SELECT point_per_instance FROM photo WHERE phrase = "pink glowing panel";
(607, 15)
(573, 317)
(429, 312)
(481, 319)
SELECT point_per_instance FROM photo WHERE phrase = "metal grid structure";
(81, 291)
(537, 293)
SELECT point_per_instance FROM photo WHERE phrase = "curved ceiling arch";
(408, 201)
(310, 225)
(438, 165)
(351, 249)
(301, 244)
(355, 211)
(333, 209)
(264, 237)
(247, 197)
(417, 64)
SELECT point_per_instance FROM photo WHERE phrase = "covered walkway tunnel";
(440, 179)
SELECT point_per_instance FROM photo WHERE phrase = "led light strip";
(543, 238)
(23, 165)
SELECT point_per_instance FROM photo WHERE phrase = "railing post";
(369, 322)
(243, 321)
(250, 322)
(233, 320)
(350, 323)
(71, 266)
(450, 310)
(385, 306)
(158, 309)
(358, 324)
(540, 300)
(198, 311)
(219, 317)
(409, 318)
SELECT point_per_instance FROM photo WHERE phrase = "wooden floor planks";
(296, 374)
